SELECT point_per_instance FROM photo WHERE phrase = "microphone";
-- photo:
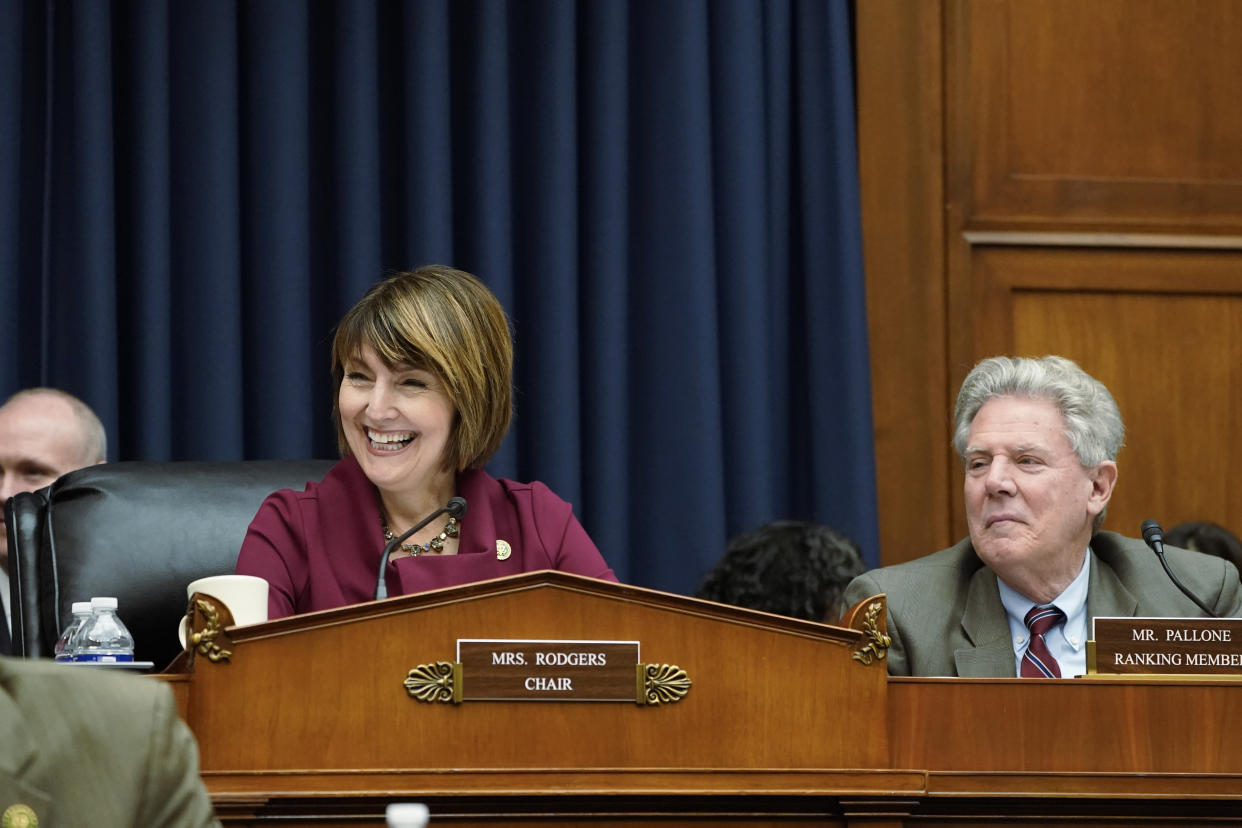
(456, 507)
(1154, 537)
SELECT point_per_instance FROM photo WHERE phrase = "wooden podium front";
(311, 720)
(310, 715)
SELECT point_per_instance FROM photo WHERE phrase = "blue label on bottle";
(104, 658)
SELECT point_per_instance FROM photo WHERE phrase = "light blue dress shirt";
(1067, 642)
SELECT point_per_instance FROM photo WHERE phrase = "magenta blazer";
(320, 548)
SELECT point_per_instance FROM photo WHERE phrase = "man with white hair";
(44, 433)
(1038, 440)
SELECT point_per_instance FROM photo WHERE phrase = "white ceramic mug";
(244, 595)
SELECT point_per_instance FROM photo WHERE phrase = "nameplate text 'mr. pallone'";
(1167, 646)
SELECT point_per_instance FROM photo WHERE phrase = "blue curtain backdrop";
(663, 194)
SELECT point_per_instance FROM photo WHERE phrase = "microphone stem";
(456, 507)
(381, 583)
(1159, 548)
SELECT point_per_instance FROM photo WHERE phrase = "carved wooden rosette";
(205, 635)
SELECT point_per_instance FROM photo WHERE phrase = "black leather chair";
(138, 531)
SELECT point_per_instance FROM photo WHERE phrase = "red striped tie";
(1037, 662)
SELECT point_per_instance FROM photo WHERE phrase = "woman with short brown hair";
(423, 369)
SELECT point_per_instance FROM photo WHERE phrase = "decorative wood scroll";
(871, 617)
(207, 618)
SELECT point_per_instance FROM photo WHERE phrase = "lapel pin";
(19, 816)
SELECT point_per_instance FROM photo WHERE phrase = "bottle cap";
(407, 815)
(80, 606)
(103, 603)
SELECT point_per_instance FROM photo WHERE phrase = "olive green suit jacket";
(91, 746)
(945, 616)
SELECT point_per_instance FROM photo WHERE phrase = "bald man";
(44, 433)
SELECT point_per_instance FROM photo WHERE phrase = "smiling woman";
(422, 366)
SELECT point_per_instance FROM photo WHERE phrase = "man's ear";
(1103, 479)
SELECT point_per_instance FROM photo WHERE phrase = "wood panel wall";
(1054, 177)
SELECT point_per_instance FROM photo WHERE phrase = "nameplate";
(1168, 646)
(519, 670)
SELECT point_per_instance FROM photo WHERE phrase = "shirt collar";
(1072, 601)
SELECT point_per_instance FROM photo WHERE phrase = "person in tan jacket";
(89, 746)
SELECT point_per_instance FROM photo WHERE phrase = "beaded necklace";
(432, 547)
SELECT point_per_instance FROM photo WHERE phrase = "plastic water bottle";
(65, 644)
(103, 637)
(407, 815)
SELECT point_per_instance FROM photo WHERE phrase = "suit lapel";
(986, 627)
(1106, 594)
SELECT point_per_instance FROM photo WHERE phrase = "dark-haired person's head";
(788, 567)
(1207, 537)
